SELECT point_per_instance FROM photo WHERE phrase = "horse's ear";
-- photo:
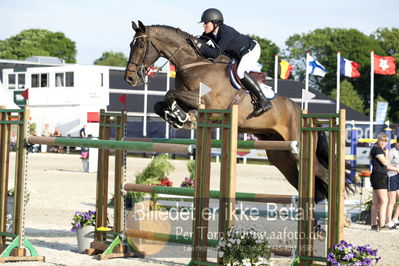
(134, 26)
(141, 26)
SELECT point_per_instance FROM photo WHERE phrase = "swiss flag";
(384, 65)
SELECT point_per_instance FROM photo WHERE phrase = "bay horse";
(282, 122)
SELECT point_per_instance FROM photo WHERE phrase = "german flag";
(172, 71)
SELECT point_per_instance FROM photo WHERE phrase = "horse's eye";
(141, 45)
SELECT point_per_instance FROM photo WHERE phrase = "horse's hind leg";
(287, 165)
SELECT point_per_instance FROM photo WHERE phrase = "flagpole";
(338, 81)
(167, 89)
(275, 73)
(145, 106)
(306, 80)
(371, 95)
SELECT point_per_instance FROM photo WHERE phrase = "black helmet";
(212, 14)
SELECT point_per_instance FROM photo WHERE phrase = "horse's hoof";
(190, 125)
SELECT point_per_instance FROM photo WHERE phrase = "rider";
(236, 45)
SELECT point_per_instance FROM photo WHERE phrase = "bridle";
(143, 69)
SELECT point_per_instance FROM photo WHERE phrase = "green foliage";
(244, 247)
(38, 42)
(356, 46)
(191, 166)
(388, 86)
(158, 168)
(112, 59)
(32, 128)
(349, 96)
(268, 51)
(324, 45)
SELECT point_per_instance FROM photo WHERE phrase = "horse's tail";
(322, 155)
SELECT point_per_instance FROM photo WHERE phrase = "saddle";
(260, 77)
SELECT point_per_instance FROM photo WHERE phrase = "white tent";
(6, 100)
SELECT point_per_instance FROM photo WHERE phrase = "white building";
(61, 96)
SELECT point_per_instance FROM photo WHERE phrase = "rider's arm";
(222, 42)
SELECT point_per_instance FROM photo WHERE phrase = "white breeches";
(248, 61)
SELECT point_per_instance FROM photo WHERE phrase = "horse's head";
(142, 55)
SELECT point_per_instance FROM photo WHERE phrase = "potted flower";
(244, 247)
(344, 253)
(84, 224)
(187, 182)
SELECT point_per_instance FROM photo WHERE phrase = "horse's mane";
(185, 35)
(177, 30)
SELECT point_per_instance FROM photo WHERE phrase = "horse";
(282, 122)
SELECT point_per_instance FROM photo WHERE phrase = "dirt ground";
(59, 187)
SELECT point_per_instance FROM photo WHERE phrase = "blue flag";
(314, 67)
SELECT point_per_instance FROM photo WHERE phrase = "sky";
(97, 26)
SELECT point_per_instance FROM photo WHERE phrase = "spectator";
(13, 141)
(57, 133)
(45, 133)
(379, 182)
(82, 132)
(393, 187)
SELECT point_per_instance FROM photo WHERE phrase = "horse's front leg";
(170, 116)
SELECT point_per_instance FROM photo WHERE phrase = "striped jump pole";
(111, 144)
(214, 194)
(242, 144)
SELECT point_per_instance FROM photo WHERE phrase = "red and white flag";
(152, 71)
(384, 65)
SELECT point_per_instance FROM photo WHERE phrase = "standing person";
(379, 182)
(393, 187)
(84, 152)
(57, 133)
(45, 133)
(237, 46)
(82, 132)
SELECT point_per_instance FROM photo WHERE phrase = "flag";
(122, 98)
(25, 94)
(152, 71)
(384, 65)
(314, 67)
(349, 68)
(285, 69)
(172, 71)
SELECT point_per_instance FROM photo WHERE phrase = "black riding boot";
(263, 104)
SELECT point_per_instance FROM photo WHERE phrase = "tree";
(349, 96)
(268, 51)
(388, 86)
(324, 45)
(112, 59)
(38, 42)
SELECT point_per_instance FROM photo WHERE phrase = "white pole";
(371, 94)
(275, 73)
(167, 89)
(145, 106)
(338, 81)
(306, 80)
(217, 137)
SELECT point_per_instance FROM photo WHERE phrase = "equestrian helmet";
(211, 14)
